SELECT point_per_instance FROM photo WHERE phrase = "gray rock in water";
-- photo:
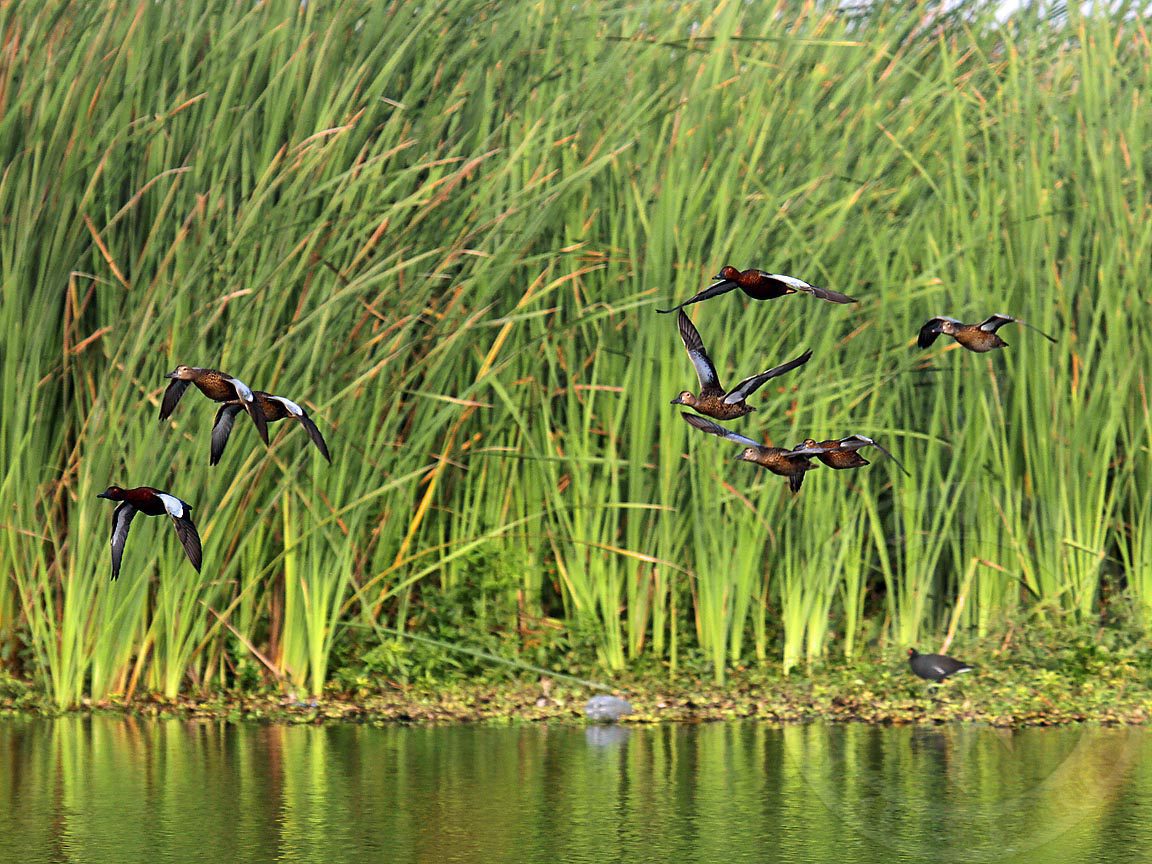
(606, 709)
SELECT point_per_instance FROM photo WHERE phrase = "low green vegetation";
(443, 228)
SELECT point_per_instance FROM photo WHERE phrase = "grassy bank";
(443, 229)
(1050, 683)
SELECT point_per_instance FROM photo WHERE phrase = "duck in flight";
(760, 285)
(843, 453)
(150, 502)
(714, 401)
(218, 387)
(273, 408)
(975, 337)
(779, 460)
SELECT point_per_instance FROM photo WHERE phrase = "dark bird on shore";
(975, 337)
(936, 667)
(150, 502)
(274, 408)
(843, 453)
(218, 387)
(714, 401)
(760, 285)
(779, 460)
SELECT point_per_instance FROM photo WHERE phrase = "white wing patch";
(243, 389)
(173, 505)
(293, 409)
(790, 281)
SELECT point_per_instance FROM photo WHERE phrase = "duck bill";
(104, 495)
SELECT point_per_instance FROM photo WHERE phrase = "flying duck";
(150, 502)
(760, 285)
(714, 401)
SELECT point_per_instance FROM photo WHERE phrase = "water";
(123, 790)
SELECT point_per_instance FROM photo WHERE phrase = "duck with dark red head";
(150, 502)
(760, 285)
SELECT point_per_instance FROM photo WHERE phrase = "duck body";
(713, 399)
(150, 502)
(979, 338)
(936, 667)
(217, 386)
(274, 408)
(760, 285)
(790, 463)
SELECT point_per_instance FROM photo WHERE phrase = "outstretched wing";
(257, 414)
(750, 385)
(121, 522)
(723, 286)
(795, 481)
(189, 539)
(694, 345)
(932, 328)
(997, 321)
(315, 435)
(792, 283)
(855, 442)
(172, 394)
(715, 429)
(222, 428)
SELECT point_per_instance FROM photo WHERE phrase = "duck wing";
(991, 325)
(172, 394)
(715, 429)
(750, 385)
(314, 434)
(189, 539)
(121, 522)
(793, 284)
(252, 406)
(222, 428)
(694, 345)
(855, 442)
(185, 530)
(932, 328)
(722, 286)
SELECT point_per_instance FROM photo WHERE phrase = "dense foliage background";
(444, 227)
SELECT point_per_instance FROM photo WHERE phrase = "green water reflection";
(112, 789)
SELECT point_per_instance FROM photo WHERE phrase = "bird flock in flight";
(715, 401)
(263, 408)
(712, 400)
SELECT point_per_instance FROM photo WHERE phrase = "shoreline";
(1114, 694)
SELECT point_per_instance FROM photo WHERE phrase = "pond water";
(124, 790)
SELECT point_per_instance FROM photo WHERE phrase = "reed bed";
(444, 230)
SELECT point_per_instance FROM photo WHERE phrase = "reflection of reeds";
(449, 250)
(529, 792)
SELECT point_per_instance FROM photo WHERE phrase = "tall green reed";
(448, 250)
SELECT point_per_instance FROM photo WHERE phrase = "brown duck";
(779, 460)
(274, 408)
(150, 502)
(714, 401)
(975, 337)
(760, 285)
(218, 387)
(845, 452)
